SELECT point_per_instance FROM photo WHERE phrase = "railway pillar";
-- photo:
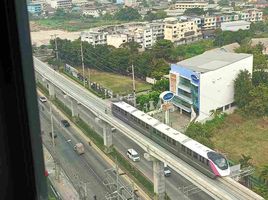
(158, 177)
(51, 90)
(107, 131)
(74, 107)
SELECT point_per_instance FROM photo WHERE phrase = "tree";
(161, 85)
(211, 2)
(258, 98)
(194, 11)
(163, 49)
(223, 3)
(260, 77)
(160, 68)
(245, 161)
(264, 173)
(242, 87)
(127, 14)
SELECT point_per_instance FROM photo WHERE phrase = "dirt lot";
(40, 37)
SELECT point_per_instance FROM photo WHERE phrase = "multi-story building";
(94, 37)
(181, 31)
(235, 25)
(63, 4)
(117, 40)
(35, 8)
(182, 6)
(205, 83)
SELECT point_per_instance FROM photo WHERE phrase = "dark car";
(55, 134)
(65, 123)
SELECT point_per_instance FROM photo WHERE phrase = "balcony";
(186, 88)
(185, 98)
(177, 102)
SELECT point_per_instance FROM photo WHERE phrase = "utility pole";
(56, 46)
(83, 66)
(52, 129)
(134, 88)
(88, 74)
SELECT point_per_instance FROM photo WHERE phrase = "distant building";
(79, 2)
(263, 41)
(181, 31)
(235, 26)
(184, 5)
(130, 3)
(63, 4)
(94, 37)
(117, 40)
(206, 82)
(94, 12)
(34, 8)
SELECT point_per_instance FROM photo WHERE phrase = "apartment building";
(182, 6)
(94, 36)
(117, 40)
(181, 31)
(63, 4)
(35, 8)
(235, 25)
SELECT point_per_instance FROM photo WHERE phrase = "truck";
(79, 148)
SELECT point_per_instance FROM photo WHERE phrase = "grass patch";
(117, 83)
(239, 135)
(74, 24)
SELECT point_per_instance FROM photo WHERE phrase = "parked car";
(65, 123)
(133, 155)
(43, 99)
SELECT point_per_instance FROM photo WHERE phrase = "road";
(87, 168)
(122, 143)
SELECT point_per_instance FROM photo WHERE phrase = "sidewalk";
(63, 187)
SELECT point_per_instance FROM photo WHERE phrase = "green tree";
(245, 161)
(161, 85)
(127, 14)
(211, 2)
(242, 87)
(257, 104)
(264, 173)
(162, 49)
(194, 11)
(260, 77)
(160, 68)
(223, 3)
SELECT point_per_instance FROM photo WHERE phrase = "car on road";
(65, 123)
(133, 155)
(55, 134)
(167, 171)
(43, 99)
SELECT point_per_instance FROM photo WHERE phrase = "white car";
(167, 171)
(43, 99)
(133, 155)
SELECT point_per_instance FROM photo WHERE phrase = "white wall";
(217, 87)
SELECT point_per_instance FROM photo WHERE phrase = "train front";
(218, 164)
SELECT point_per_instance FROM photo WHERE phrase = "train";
(204, 159)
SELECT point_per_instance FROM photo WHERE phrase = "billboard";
(172, 82)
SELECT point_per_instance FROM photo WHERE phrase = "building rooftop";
(212, 60)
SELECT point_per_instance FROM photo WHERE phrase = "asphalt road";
(85, 170)
(174, 183)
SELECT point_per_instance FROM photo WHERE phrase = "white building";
(206, 82)
(64, 4)
(117, 40)
(94, 37)
(235, 25)
(183, 6)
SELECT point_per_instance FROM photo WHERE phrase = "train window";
(174, 142)
(168, 139)
(154, 131)
(189, 151)
(163, 136)
(201, 159)
(207, 162)
(195, 155)
(183, 148)
(125, 112)
(147, 126)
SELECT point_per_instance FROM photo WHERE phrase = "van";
(79, 148)
(167, 171)
(133, 155)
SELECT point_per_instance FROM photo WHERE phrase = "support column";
(167, 117)
(107, 130)
(159, 177)
(74, 108)
(51, 90)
